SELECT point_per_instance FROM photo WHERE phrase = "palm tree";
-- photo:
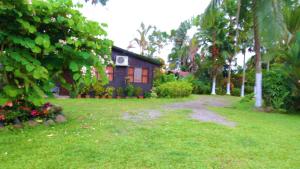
(142, 41)
(258, 74)
(210, 24)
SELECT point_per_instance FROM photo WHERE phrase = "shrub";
(129, 90)
(98, 89)
(110, 91)
(138, 91)
(174, 89)
(236, 92)
(276, 90)
(249, 89)
(120, 91)
(24, 110)
(220, 91)
(147, 95)
(247, 98)
(200, 87)
(163, 78)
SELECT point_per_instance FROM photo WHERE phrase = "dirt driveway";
(199, 108)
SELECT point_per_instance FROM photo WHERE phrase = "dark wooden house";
(138, 69)
(128, 66)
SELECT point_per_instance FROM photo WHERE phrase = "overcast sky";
(125, 16)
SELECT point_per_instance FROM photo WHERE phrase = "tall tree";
(142, 40)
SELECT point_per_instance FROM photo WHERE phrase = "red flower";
(34, 113)
(2, 117)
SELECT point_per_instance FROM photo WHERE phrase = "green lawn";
(96, 136)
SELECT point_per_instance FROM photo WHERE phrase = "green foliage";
(40, 42)
(120, 91)
(236, 92)
(276, 90)
(98, 89)
(110, 91)
(129, 90)
(199, 87)
(160, 78)
(174, 89)
(247, 98)
(220, 90)
(138, 91)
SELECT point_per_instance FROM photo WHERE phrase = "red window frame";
(131, 74)
(145, 75)
(110, 73)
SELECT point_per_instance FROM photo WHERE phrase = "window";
(110, 73)
(138, 75)
(145, 75)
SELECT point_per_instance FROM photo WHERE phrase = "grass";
(96, 136)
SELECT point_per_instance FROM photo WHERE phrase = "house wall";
(121, 72)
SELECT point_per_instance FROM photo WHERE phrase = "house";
(137, 69)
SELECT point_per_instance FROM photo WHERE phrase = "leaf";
(36, 49)
(9, 68)
(76, 76)
(43, 40)
(36, 74)
(85, 55)
(29, 67)
(39, 40)
(11, 91)
(73, 66)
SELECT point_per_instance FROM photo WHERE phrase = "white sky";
(125, 16)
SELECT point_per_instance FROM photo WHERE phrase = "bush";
(200, 87)
(163, 78)
(247, 98)
(129, 90)
(220, 91)
(249, 89)
(174, 89)
(276, 90)
(120, 91)
(98, 89)
(138, 91)
(110, 91)
(236, 92)
(147, 95)
(24, 110)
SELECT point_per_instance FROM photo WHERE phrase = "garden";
(204, 109)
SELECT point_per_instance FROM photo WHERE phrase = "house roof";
(141, 57)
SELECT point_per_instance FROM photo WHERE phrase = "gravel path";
(199, 108)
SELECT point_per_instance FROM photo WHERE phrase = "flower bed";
(18, 111)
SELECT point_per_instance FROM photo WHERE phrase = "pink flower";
(8, 104)
(2, 117)
(34, 113)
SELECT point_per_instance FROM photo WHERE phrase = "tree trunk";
(228, 79)
(258, 75)
(268, 66)
(244, 75)
(213, 89)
